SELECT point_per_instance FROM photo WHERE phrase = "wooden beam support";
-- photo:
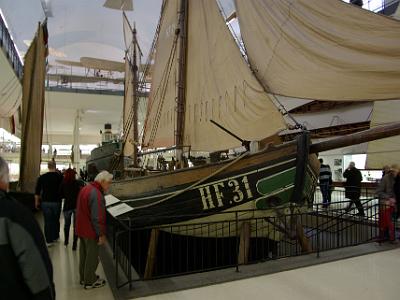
(244, 244)
(372, 134)
(151, 254)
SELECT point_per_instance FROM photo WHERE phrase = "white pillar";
(77, 154)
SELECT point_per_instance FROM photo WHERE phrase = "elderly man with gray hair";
(26, 270)
(91, 228)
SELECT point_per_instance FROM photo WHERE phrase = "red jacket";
(91, 212)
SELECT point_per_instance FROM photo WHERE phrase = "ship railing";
(237, 238)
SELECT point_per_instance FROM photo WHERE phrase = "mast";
(180, 106)
(135, 100)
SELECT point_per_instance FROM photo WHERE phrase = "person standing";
(69, 191)
(47, 196)
(91, 228)
(325, 182)
(353, 187)
(26, 271)
(386, 193)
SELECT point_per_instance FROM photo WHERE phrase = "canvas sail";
(324, 50)
(160, 122)
(385, 151)
(32, 110)
(221, 87)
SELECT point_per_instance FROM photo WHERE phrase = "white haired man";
(26, 270)
(91, 228)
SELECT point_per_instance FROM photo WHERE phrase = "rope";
(194, 184)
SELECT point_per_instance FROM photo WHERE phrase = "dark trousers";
(68, 216)
(88, 260)
(51, 214)
(326, 193)
(358, 204)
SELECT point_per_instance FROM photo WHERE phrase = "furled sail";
(33, 109)
(323, 50)
(385, 151)
(221, 87)
(161, 116)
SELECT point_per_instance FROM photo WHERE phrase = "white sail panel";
(322, 50)
(221, 87)
(161, 116)
(385, 151)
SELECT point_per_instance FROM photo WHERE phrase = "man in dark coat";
(353, 187)
(25, 267)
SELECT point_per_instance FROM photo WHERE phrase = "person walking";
(69, 191)
(353, 187)
(26, 271)
(47, 196)
(91, 228)
(386, 193)
(325, 182)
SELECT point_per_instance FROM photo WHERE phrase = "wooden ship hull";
(261, 181)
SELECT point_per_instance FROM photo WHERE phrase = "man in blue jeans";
(47, 196)
(325, 182)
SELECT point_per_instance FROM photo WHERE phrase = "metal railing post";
(237, 241)
(318, 231)
(130, 255)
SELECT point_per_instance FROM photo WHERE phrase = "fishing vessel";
(201, 78)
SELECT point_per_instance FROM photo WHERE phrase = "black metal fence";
(231, 239)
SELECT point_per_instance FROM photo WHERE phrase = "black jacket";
(48, 187)
(353, 183)
(69, 192)
(25, 267)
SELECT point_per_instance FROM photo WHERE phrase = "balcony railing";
(8, 46)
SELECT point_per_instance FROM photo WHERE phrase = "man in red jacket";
(91, 228)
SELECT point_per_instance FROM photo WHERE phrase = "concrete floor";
(66, 272)
(373, 276)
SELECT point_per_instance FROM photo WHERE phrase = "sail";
(323, 50)
(161, 115)
(385, 151)
(32, 110)
(221, 87)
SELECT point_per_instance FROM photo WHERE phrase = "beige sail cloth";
(321, 49)
(32, 112)
(385, 151)
(221, 87)
(161, 115)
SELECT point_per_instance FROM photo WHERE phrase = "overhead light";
(119, 4)
(46, 5)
